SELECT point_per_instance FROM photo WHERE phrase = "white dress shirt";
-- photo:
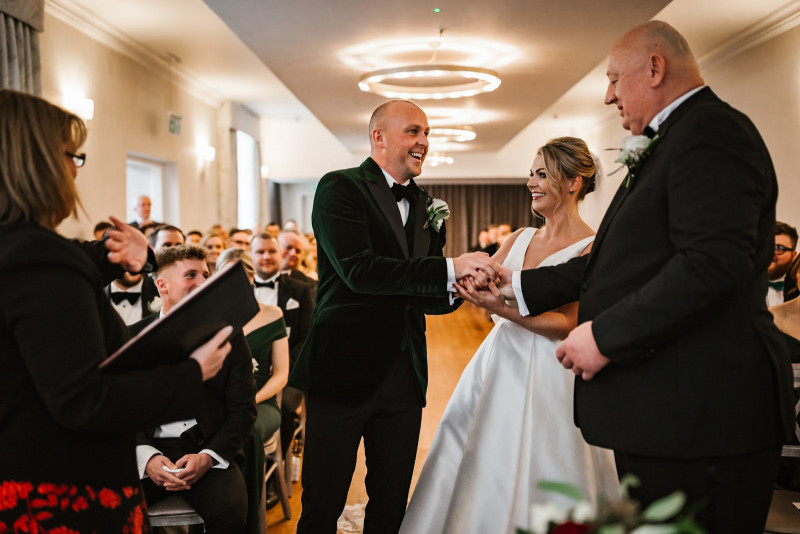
(130, 313)
(267, 295)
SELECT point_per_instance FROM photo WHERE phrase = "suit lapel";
(283, 296)
(376, 184)
(422, 237)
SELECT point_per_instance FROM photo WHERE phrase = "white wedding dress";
(508, 425)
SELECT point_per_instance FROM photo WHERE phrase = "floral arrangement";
(621, 517)
(437, 212)
(635, 149)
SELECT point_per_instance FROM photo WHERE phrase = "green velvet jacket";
(373, 291)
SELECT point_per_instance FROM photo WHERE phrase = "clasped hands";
(487, 284)
(192, 468)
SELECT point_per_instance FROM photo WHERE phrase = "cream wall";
(131, 107)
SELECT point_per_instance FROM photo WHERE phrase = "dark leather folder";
(225, 299)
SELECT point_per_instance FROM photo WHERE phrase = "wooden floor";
(452, 340)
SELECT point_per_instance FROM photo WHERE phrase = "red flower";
(4, 528)
(571, 527)
(8, 495)
(63, 530)
(109, 498)
(136, 520)
(128, 491)
(80, 504)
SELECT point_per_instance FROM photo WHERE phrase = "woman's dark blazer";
(61, 419)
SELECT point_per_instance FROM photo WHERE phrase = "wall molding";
(93, 27)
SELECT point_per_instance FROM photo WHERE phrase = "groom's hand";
(580, 353)
(479, 265)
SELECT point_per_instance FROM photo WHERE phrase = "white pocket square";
(292, 304)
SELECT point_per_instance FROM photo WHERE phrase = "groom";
(364, 363)
(680, 368)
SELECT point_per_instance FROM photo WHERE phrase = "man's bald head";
(649, 67)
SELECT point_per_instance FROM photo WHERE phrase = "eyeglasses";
(78, 159)
(780, 249)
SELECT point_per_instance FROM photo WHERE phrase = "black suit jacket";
(297, 319)
(227, 411)
(149, 292)
(675, 287)
(56, 326)
(373, 291)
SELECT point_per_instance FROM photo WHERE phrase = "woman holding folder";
(66, 428)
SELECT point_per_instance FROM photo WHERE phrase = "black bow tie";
(649, 132)
(270, 284)
(408, 191)
(131, 296)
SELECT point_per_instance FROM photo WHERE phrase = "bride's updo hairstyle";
(565, 158)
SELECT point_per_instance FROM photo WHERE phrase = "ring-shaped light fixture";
(454, 134)
(476, 80)
(434, 159)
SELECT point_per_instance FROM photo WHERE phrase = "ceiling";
(295, 58)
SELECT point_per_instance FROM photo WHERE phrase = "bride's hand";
(489, 298)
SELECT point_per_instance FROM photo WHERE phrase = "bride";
(509, 423)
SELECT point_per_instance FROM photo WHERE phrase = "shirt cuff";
(451, 275)
(143, 455)
(516, 285)
(220, 462)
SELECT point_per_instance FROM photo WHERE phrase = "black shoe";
(272, 495)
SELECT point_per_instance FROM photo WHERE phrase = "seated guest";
(67, 427)
(100, 229)
(148, 229)
(166, 235)
(273, 229)
(134, 297)
(294, 298)
(785, 253)
(787, 317)
(214, 244)
(293, 249)
(199, 458)
(194, 237)
(239, 237)
(309, 263)
(266, 335)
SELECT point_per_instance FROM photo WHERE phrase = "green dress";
(268, 420)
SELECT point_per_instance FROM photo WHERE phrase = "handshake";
(481, 280)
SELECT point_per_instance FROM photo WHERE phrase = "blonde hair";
(236, 253)
(564, 159)
(36, 184)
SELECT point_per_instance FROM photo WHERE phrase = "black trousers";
(389, 421)
(219, 497)
(731, 494)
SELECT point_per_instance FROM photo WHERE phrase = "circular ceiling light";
(434, 159)
(458, 134)
(426, 82)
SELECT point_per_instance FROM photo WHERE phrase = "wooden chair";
(299, 434)
(175, 511)
(275, 466)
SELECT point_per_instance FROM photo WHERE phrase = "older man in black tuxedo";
(679, 366)
(364, 364)
(199, 458)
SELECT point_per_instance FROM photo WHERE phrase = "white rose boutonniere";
(154, 305)
(437, 212)
(635, 149)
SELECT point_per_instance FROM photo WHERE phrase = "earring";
(571, 192)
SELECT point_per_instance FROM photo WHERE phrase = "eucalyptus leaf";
(568, 490)
(665, 507)
(626, 482)
(610, 529)
(657, 529)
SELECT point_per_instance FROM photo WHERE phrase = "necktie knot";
(408, 192)
(270, 284)
(649, 132)
(118, 297)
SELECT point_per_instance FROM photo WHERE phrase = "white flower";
(255, 365)
(155, 305)
(583, 512)
(541, 515)
(437, 212)
(633, 148)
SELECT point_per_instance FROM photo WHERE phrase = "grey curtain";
(474, 207)
(20, 23)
